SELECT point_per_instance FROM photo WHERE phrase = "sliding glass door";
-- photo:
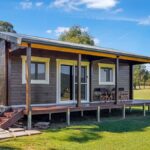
(67, 81)
(84, 79)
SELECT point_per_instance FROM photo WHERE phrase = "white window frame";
(101, 65)
(36, 59)
(58, 91)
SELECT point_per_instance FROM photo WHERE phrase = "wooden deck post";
(116, 79)
(130, 109)
(82, 113)
(98, 114)
(90, 80)
(79, 81)
(109, 110)
(124, 112)
(131, 82)
(50, 116)
(68, 116)
(28, 86)
(148, 108)
(144, 111)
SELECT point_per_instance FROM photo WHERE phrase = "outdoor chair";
(112, 94)
(104, 94)
(101, 94)
(123, 95)
(96, 94)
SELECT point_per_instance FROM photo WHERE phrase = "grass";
(111, 134)
(132, 133)
(142, 93)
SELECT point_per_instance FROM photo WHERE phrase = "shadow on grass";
(85, 132)
(85, 135)
(8, 148)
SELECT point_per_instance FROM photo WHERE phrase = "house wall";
(123, 76)
(40, 93)
(46, 93)
(3, 97)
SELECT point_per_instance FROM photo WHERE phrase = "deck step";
(2, 131)
(10, 117)
(16, 129)
(17, 133)
(8, 114)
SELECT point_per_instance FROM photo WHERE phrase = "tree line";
(141, 76)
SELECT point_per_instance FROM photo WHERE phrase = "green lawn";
(132, 133)
(111, 134)
(142, 94)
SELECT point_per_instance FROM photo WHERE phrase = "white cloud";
(60, 30)
(139, 21)
(148, 67)
(49, 31)
(38, 4)
(91, 4)
(26, 4)
(122, 37)
(96, 41)
(86, 29)
(66, 4)
(145, 21)
(118, 10)
(99, 4)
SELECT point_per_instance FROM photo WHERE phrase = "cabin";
(44, 76)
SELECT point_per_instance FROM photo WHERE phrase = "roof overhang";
(23, 41)
(85, 52)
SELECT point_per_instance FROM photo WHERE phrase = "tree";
(141, 74)
(77, 35)
(145, 77)
(136, 75)
(6, 27)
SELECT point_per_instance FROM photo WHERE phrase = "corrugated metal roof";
(18, 38)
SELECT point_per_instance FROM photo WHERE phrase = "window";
(106, 74)
(39, 70)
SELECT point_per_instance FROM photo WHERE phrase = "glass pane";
(103, 75)
(83, 91)
(66, 82)
(111, 75)
(33, 71)
(83, 74)
(41, 71)
(106, 74)
(76, 89)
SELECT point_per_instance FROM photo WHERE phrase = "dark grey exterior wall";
(123, 76)
(3, 97)
(43, 93)
(40, 93)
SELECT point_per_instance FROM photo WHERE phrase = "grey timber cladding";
(40, 93)
(46, 93)
(123, 76)
(2, 72)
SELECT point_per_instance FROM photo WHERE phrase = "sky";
(118, 24)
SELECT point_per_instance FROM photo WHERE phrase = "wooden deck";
(97, 106)
(87, 106)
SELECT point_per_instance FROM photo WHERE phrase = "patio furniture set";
(104, 94)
